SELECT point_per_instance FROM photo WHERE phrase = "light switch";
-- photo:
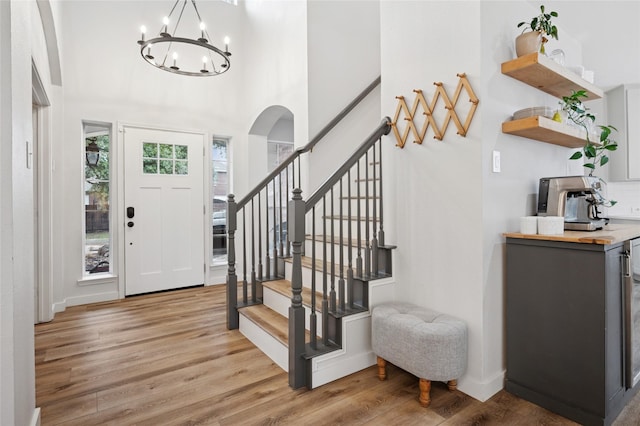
(496, 161)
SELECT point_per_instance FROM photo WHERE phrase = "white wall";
(344, 58)
(276, 67)
(17, 387)
(435, 188)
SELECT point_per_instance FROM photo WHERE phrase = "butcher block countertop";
(611, 234)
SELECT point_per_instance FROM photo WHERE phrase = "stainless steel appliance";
(632, 311)
(576, 198)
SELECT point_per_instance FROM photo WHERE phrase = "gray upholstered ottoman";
(427, 344)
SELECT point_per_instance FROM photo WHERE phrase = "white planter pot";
(528, 42)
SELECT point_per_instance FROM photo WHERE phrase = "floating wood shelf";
(546, 130)
(547, 75)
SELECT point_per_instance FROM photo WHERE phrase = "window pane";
(181, 167)
(166, 166)
(150, 166)
(220, 189)
(97, 198)
(166, 151)
(181, 152)
(150, 150)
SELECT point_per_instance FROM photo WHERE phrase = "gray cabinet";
(623, 112)
(564, 327)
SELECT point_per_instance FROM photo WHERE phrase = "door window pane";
(166, 167)
(181, 152)
(166, 151)
(219, 191)
(97, 199)
(181, 167)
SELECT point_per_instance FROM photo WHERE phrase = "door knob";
(130, 224)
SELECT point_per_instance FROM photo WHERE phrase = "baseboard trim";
(85, 299)
(484, 390)
(35, 419)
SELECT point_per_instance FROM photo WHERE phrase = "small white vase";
(528, 42)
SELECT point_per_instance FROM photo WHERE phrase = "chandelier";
(181, 55)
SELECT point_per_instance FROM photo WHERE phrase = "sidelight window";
(97, 198)
(220, 187)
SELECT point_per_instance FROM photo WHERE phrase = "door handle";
(626, 264)
(130, 212)
(130, 224)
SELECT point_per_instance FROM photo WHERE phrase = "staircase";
(311, 269)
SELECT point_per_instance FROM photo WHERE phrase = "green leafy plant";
(575, 109)
(543, 24)
(595, 153)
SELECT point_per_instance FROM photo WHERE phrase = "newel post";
(295, 219)
(233, 318)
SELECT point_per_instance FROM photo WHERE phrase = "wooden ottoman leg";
(425, 390)
(382, 369)
(453, 384)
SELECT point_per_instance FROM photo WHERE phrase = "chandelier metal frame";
(211, 52)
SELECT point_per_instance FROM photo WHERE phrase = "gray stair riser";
(336, 247)
(307, 274)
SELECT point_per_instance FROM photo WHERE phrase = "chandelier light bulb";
(165, 29)
(204, 65)
(143, 31)
(227, 40)
(202, 37)
(149, 55)
(175, 58)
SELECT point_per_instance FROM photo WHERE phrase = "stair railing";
(351, 294)
(266, 205)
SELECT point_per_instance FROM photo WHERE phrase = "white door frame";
(120, 214)
(43, 249)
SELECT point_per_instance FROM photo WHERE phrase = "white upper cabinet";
(623, 112)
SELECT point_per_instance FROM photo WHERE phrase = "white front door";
(164, 210)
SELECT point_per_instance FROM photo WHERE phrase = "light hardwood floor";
(168, 359)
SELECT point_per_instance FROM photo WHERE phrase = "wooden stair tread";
(269, 320)
(362, 197)
(336, 240)
(353, 218)
(306, 263)
(284, 287)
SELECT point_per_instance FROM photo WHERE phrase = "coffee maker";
(577, 198)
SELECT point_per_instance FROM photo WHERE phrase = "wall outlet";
(496, 161)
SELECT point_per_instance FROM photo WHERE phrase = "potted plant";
(594, 152)
(540, 27)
